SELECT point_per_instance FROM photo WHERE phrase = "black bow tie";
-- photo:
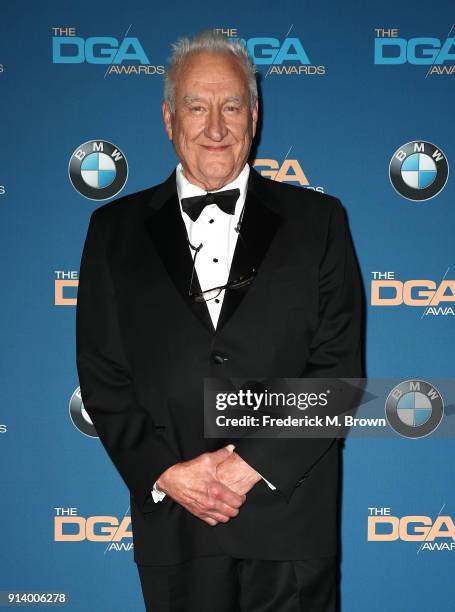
(223, 199)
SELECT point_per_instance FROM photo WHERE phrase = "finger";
(221, 454)
(230, 447)
(211, 504)
(221, 508)
(203, 514)
(218, 490)
(217, 516)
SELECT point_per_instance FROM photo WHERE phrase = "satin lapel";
(168, 233)
(261, 221)
(259, 225)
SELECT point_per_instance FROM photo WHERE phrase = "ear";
(167, 118)
(254, 116)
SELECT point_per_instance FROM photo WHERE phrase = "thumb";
(222, 453)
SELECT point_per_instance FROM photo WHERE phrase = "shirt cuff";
(157, 494)
(269, 483)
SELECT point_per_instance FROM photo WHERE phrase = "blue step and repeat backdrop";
(358, 102)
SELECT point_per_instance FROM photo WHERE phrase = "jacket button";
(218, 358)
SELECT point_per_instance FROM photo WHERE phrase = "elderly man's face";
(213, 125)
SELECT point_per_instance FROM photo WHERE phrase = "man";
(258, 280)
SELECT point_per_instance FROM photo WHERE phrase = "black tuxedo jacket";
(144, 348)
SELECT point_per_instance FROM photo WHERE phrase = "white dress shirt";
(215, 230)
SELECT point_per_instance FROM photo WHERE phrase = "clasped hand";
(212, 486)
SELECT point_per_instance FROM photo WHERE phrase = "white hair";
(212, 42)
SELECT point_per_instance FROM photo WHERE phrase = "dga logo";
(69, 526)
(434, 535)
(394, 50)
(79, 415)
(418, 170)
(98, 170)
(286, 56)
(386, 290)
(66, 282)
(414, 408)
(289, 171)
(97, 50)
(124, 56)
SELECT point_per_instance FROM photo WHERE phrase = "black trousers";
(224, 584)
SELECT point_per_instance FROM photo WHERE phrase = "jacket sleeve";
(335, 352)
(125, 429)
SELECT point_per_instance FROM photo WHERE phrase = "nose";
(215, 127)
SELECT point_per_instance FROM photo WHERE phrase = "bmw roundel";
(79, 416)
(414, 408)
(98, 169)
(418, 170)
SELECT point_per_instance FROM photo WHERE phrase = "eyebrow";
(191, 99)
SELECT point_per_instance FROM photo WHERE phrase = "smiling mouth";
(215, 149)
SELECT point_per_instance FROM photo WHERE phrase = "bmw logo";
(418, 170)
(98, 170)
(414, 408)
(80, 417)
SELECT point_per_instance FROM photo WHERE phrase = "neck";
(209, 185)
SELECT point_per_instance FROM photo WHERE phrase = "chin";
(218, 170)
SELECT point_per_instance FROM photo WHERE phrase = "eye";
(232, 109)
(197, 109)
